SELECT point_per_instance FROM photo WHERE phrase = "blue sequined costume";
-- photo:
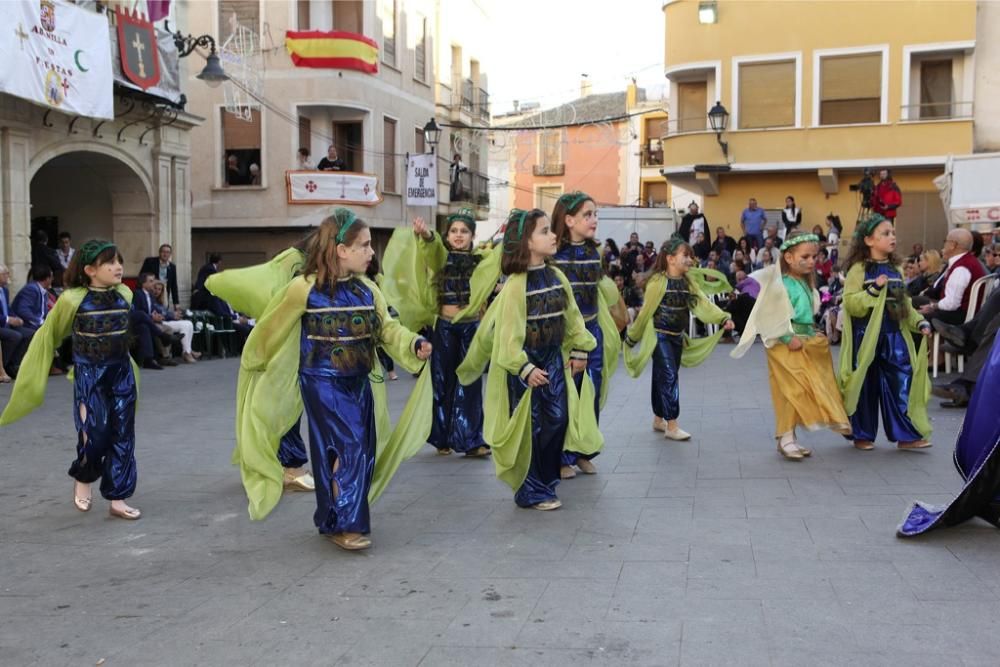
(545, 306)
(670, 321)
(104, 391)
(458, 409)
(581, 263)
(887, 383)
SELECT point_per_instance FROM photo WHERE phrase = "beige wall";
(987, 78)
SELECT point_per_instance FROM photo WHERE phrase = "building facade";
(372, 118)
(829, 92)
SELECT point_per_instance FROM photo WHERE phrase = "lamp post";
(432, 134)
(212, 73)
(718, 118)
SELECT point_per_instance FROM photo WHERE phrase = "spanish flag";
(335, 50)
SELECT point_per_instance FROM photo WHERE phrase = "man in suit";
(145, 325)
(165, 270)
(32, 303)
(14, 337)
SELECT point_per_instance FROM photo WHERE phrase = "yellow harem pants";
(804, 389)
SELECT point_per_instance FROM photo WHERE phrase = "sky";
(541, 48)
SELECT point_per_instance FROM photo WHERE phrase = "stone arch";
(94, 189)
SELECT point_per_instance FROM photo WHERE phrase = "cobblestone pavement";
(713, 552)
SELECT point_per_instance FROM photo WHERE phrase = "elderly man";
(14, 336)
(950, 293)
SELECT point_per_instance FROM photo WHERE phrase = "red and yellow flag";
(335, 50)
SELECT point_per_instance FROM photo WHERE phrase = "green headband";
(867, 225)
(673, 244)
(517, 216)
(92, 249)
(801, 238)
(345, 218)
(572, 199)
(464, 215)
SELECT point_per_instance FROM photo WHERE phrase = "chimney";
(517, 104)
(631, 95)
(584, 86)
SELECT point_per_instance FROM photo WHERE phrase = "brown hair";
(561, 210)
(661, 257)
(321, 248)
(860, 253)
(785, 268)
(516, 256)
(75, 276)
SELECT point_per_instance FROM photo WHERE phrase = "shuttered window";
(692, 106)
(420, 51)
(389, 155)
(850, 89)
(389, 32)
(767, 94)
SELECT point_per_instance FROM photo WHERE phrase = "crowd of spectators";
(162, 331)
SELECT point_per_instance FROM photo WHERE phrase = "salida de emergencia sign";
(421, 180)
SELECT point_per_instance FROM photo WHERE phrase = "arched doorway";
(90, 194)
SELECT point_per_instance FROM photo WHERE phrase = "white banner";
(421, 180)
(332, 187)
(57, 55)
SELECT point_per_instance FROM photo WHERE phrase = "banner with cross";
(332, 187)
(137, 47)
(57, 55)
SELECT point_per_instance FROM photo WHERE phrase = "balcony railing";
(553, 169)
(471, 188)
(484, 104)
(467, 90)
(937, 111)
(652, 158)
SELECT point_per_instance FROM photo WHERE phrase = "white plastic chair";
(977, 295)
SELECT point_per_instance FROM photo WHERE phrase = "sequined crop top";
(581, 262)
(545, 308)
(339, 328)
(100, 328)
(455, 276)
(671, 316)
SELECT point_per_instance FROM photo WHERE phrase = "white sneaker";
(676, 434)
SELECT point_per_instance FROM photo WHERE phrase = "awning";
(970, 191)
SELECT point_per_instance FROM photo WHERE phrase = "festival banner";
(334, 50)
(58, 55)
(421, 180)
(332, 187)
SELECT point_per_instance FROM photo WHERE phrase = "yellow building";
(816, 92)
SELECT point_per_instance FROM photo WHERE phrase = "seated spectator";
(173, 321)
(650, 254)
(701, 247)
(610, 255)
(824, 267)
(949, 296)
(14, 337)
(631, 297)
(974, 339)
(767, 255)
(918, 250)
(723, 245)
(929, 265)
(201, 298)
(991, 256)
(144, 322)
(41, 253)
(745, 245)
(32, 303)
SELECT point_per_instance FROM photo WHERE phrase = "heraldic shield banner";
(57, 55)
(137, 47)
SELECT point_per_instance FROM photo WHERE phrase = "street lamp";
(432, 134)
(718, 118)
(212, 73)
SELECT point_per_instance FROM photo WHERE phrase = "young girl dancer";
(529, 334)
(248, 290)
(574, 222)
(445, 283)
(878, 360)
(803, 387)
(659, 331)
(94, 310)
(315, 344)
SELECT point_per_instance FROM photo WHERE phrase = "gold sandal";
(791, 451)
(131, 514)
(915, 444)
(350, 541)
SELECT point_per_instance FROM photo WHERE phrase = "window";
(389, 155)
(549, 153)
(420, 51)
(936, 89)
(692, 106)
(348, 15)
(850, 89)
(345, 15)
(656, 194)
(305, 133)
(389, 32)
(419, 146)
(546, 196)
(245, 13)
(767, 94)
(652, 151)
(241, 149)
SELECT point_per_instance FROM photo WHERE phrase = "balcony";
(652, 158)
(937, 111)
(471, 189)
(467, 96)
(554, 169)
